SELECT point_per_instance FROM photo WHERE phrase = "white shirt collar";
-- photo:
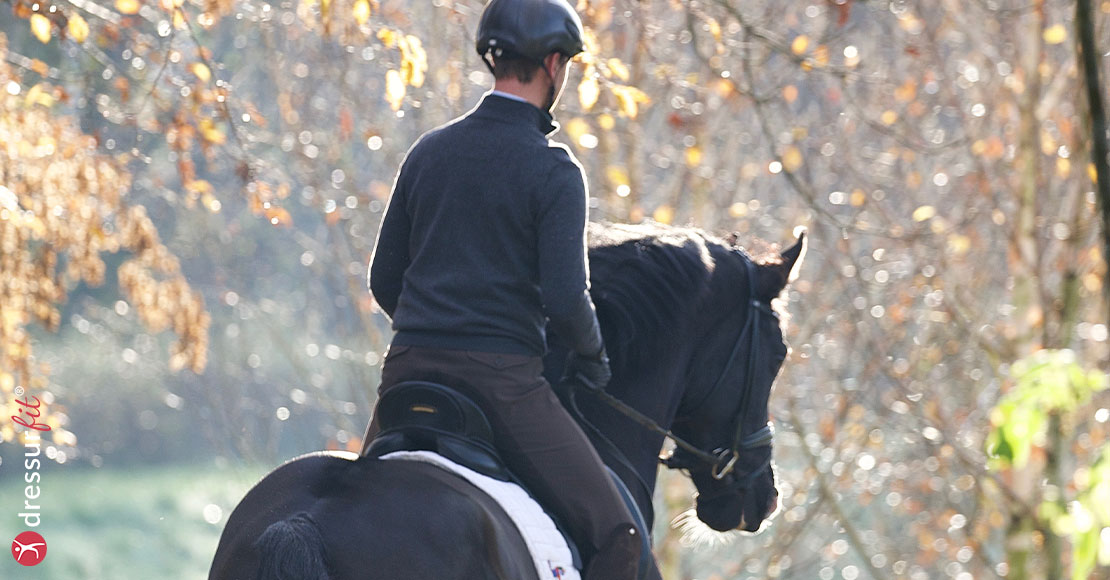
(509, 96)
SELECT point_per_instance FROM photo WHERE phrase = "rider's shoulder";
(561, 154)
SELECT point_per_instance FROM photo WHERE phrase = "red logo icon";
(29, 548)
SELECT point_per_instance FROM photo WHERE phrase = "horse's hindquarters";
(376, 520)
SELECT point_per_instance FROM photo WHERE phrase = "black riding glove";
(591, 372)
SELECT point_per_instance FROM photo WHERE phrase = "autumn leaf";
(279, 216)
(414, 61)
(41, 27)
(388, 37)
(619, 69)
(78, 28)
(906, 91)
(576, 128)
(616, 175)
(790, 93)
(361, 11)
(821, 55)
(128, 6)
(911, 23)
(1055, 34)
(40, 67)
(212, 132)
(629, 99)
(958, 244)
(693, 156)
(37, 96)
(992, 148)
(201, 71)
(792, 159)
(714, 29)
(1063, 167)
(663, 214)
(394, 89)
(588, 92)
(923, 213)
(724, 88)
(800, 44)
(198, 186)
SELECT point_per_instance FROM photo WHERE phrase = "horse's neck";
(651, 391)
(651, 395)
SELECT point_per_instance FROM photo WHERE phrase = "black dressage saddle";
(427, 416)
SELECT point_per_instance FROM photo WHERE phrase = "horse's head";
(724, 409)
(695, 348)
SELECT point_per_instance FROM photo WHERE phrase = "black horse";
(695, 348)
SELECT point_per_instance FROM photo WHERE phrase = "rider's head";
(519, 38)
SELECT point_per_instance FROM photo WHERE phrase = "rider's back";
(493, 212)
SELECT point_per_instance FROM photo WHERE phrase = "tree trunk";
(1084, 20)
(1028, 310)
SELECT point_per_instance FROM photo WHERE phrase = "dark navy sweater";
(484, 236)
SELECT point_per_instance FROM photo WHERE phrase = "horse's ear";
(792, 257)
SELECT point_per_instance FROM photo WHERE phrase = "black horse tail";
(292, 549)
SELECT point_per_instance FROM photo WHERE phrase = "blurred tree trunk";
(1024, 257)
(1100, 150)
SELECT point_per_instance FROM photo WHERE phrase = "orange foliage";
(62, 205)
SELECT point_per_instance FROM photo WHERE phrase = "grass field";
(150, 522)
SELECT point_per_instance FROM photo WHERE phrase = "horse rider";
(482, 240)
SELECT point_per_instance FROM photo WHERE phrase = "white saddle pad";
(549, 548)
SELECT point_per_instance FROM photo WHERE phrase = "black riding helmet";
(529, 29)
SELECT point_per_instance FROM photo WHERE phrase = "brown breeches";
(538, 440)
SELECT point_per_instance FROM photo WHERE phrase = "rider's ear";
(553, 62)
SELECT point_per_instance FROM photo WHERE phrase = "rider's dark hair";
(521, 69)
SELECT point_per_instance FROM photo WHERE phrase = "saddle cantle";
(427, 416)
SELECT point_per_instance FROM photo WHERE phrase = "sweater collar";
(514, 111)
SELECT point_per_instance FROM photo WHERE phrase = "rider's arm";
(391, 252)
(563, 265)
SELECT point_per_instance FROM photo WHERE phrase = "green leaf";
(1086, 553)
(1049, 381)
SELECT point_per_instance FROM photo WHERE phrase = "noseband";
(721, 461)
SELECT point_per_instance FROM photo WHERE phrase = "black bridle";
(721, 462)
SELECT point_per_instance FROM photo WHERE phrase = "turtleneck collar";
(513, 109)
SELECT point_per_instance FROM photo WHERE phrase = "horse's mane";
(646, 278)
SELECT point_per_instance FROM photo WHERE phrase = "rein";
(721, 461)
